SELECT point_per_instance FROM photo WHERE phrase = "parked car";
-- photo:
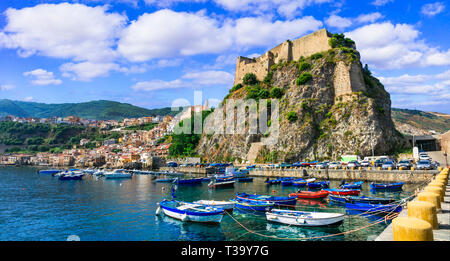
(435, 164)
(322, 165)
(333, 165)
(388, 164)
(424, 165)
(172, 164)
(424, 156)
(405, 164)
(353, 164)
(365, 163)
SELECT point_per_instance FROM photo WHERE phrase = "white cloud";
(71, 31)
(432, 9)
(286, 8)
(189, 80)
(166, 33)
(85, 71)
(42, 77)
(381, 2)
(168, 3)
(389, 46)
(365, 18)
(7, 87)
(338, 22)
(28, 98)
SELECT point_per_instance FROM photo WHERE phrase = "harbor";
(95, 208)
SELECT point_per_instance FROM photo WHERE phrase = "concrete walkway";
(441, 234)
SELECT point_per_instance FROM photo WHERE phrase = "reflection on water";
(41, 207)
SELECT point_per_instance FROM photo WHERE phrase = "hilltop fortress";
(347, 77)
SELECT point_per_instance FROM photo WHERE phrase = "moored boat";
(397, 185)
(318, 185)
(117, 174)
(352, 185)
(49, 171)
(302, 218)
(344, 192)
(265, 198)
(71, 175)
(221, 184)
(248, 179)
(186, 211)
(253, 205)
(361, 199)
(226, 205)
(193, 181)
(273, 181)
(310, 194)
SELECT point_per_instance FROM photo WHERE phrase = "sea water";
(39, 207)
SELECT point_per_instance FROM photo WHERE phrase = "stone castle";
(347, 78)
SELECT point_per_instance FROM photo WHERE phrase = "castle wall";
(286, 51)
(347, 79)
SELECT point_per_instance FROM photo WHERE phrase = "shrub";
(303, 66)
(303, 78)
(291, 116)
(276, 93)
(236, 87)
(263, 94)
(316, 56)
(250, 79)
(268, 78)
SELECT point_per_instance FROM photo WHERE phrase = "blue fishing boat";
(194, 181)
(252, 205)
(352, 185)
(291, 201)
(318, 185)
(287, 181)
(71, 176)
(381, 208)
(49, 171)
(387, 186)
(168, 180)
(186, 211)
(361, 199)
(245, 179)
(272, 181)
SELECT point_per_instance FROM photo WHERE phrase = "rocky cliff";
(329, 105)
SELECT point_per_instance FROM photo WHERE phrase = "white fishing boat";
(227, 205)
(302, 218)
(117, 174)
(185, 211)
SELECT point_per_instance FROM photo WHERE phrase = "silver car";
(424, 164)
(333, 165)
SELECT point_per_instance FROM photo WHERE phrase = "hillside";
(98, 110)
(420, 122)
(329, 105)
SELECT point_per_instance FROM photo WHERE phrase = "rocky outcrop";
(340, 110)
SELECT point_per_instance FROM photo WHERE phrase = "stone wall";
(286, 51)
(445, 142)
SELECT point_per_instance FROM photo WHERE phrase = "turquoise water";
(36, 207)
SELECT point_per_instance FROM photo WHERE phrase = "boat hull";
(282, 201)
(374, 207)
(184, 215)
(344, 192)
(190, 181)
(223, 184)
(308, 219)
(387, 186)
(353, 200)
(310, 194)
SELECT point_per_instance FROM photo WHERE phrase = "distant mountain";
(98, 110)
(420, 122)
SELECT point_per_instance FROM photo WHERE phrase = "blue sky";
(150, 53)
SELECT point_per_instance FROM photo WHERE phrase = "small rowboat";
(344, 192)
(302, 218)
(226, 205)
(264, 198)
(397, 185)
(362, 199)
(49, 171)
(391, 208)
(185, 211)
(310, 194)
(252, 205)
(352, 185)
(245, 179)
(302, 182)
(169, 180)
(320, 184)
(194, 181)
(221, 184)
(273, 181)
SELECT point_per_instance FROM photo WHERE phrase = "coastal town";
(146, 147)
